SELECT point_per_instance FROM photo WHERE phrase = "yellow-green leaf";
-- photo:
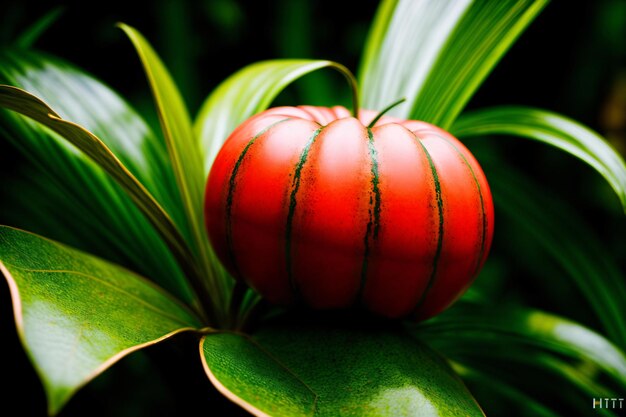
(186, 161)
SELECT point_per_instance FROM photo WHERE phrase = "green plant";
(103, 173)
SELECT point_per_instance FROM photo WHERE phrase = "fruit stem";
(385, 110)
(353, 86)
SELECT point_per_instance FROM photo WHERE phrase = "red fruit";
(306, 204)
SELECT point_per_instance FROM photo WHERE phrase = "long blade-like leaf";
(186, 161)
(494, 389)
(22, 102)
(77, 197)
(516, 345)
(553, 129)
(34, 31)
(471, 329)
(245, 93)
(553, 227)
(77, 315)
(314, 370)
(404, 42)
(437, 53)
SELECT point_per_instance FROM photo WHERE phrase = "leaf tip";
(127, 29)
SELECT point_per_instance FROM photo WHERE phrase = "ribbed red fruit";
(307, 204)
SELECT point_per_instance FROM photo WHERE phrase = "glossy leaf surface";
(552, 129)
(20, 101)
(245, 93)
(437, 53)
(77, 315)
(185, 156)
(476, 331)
(305, 370)
(80, 197)
(528, 355)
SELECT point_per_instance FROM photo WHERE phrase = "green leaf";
(307, 369)
(497, 390)
(34, 32)
(245, 93)
(481, 331)
(553, 129)
(186, 161)
(436, 54)
(555, 228)
(539, 354)
(20, 101)
(527, 378)
(76, 315)
(76, 190)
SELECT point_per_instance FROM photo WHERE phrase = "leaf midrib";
(107, 284)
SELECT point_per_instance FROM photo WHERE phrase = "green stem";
(385, 110)
(353, 86)
(252, 315)
(237, 296)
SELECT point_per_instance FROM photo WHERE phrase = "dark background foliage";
(572, 60)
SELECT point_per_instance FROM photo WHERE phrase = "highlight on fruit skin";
(309, 205)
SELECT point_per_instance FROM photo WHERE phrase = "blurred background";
(571, 60)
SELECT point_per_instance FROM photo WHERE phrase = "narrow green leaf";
(437, 53)
(556, 229)
(479, 331)
(76, 315)
(553, 129)
(533, 378)
(539, 354)
(34, 32)
(245, 93)
(497, 389)
(71, 188)
(186, 161)
(304, 370)
(404, 42)
(22, 102)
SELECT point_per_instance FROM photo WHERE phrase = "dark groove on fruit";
(232, 185)
(482, 205)
(433, 274)
(373, 224)
(293, 202)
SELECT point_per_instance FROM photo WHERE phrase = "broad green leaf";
(76, 189)
(555, 228)
(437, 53)
(307, 369)
(553, 129)
(22, 102)
(186, 159)
(76, 315)
(245, 93)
